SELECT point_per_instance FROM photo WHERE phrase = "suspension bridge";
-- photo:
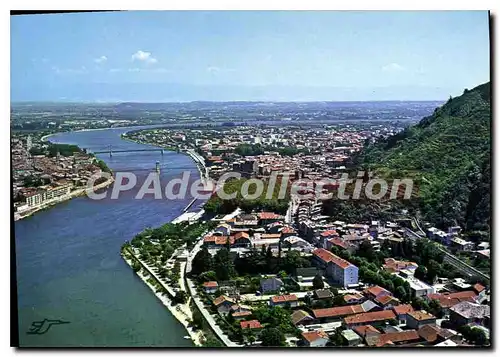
(110, 151)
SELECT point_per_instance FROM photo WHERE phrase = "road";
(192, 291)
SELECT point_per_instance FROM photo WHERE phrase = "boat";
(187, 337)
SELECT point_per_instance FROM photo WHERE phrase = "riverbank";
(69, 196)
(182, 312)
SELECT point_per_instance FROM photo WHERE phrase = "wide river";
(69, 265)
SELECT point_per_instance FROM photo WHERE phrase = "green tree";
(202, 261)
(223, 265)
(318, 282)
(272, 337)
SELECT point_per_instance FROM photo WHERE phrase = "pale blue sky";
(288, 55)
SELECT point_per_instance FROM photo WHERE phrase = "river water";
(69, 265)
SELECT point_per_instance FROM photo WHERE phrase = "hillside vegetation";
(448, 156)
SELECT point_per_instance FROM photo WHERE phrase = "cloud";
(101, 59)
(393, 67)
(144, 57)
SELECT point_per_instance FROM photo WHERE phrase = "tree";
(272, 336)
(197, 318)
(202, 261)
(223, 265)
(212, 342)
(318, 282)
(180, 297)
(400, 293)
(421, 272)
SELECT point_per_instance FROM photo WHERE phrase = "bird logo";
(42, 327)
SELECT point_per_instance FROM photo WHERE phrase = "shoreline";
(181, 315)
(65, 198)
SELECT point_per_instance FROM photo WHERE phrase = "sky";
(164, 56)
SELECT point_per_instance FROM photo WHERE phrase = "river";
(69, 265)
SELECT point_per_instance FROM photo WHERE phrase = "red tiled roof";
(350, 297)
(210, 284)
(338, 242)
(327, 256)
(386, 299)
(221, 299)
(284, 298)
(250, 324)
(270, 236)
(451, 299)
(377, 290)
(421, 315)
(242, 313)
(223, 240)
(338, 311)
(365, 330)
(268, 215)
(478, 287)
(391, 337)
(287, 230)
(368, 317)
(241, 235)
(312, 336)
(329, 233)
(208, 239)
(428, 332)
(402, 309)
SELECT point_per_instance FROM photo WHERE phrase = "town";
(296, 276)
(45, 174)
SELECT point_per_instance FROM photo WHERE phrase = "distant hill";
(448, 156)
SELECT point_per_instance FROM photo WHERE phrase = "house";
(351, 337)
(268, 217)
(462, 245)
(288, 232)
(376, 291)
(416, 319)
(240, 315)
(417, 287)
(448, 300)
(369, 318)
(392, 265)
(355, 298)
(241, 239)
(300, 317)
(365, 330)
(369, 305)
(317, 338)
(401, 312)
(339, 270)
(337, 242)
(297, 243)
(252, 324)
(480, 290)
(433, 334)
(323, 294)
(387, 301)
(223, 304)
(393, 338)
(336, 313)
(271, 284)
(223, 229)
(210, 287)
(283, 300)
(467, 312)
